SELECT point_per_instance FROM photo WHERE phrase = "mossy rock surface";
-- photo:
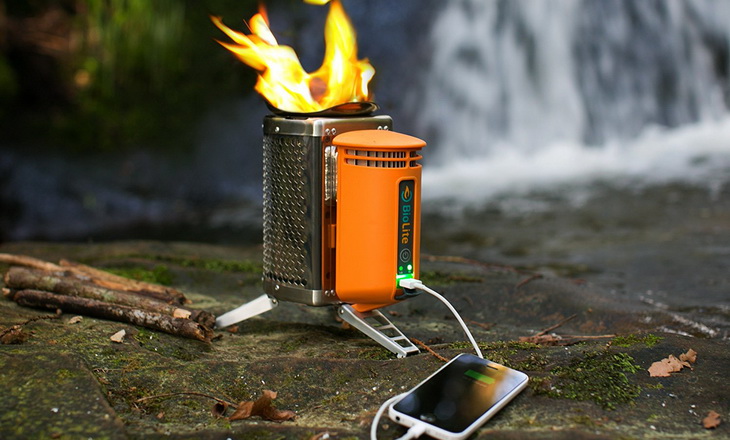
(69, 380)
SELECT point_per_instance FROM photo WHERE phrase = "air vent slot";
(381, 159)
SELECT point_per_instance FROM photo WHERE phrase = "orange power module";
(377, 227)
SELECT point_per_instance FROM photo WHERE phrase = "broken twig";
(484, 325)
(428, 349)
(14, 334)
(34, 279)
(99, 277)
(543, 338)
(185, 393)
(553, 327)
(112, 281)
(115, 312)
(24, 260)
(528, 279)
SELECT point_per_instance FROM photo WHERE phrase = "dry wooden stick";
(23, 278)
(429, 349)
(484, 325)
(543, 338)
(112, 281)
(115, 312)
(24, 260)
(561, 340)
(528, 279)
(588, 336)
(14, 334)
(185, 393)
(553, 327)
(99, 277)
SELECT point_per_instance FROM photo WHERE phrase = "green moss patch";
(598, 376)
(207, 264)
(160, 274)
(376, 353)
(649, 340)
(519, 355)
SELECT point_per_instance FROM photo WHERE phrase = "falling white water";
(524, 94)
(695, 153)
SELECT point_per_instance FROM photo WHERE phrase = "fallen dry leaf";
(712, 420)
(676, 363)
(118, 336)
(671, 364)
(75, 319)
(660, 369)
(13, 335)
(262, 408)
(219, 409)
(665, 366)
(690, 356)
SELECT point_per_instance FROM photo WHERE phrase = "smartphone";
(458, 398)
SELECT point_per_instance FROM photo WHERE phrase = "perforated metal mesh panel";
(291, 222)
(294, 204)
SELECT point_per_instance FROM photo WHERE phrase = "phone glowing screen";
(459, 394)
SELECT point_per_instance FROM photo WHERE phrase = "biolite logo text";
(406, 191)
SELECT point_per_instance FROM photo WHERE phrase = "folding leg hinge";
(379, 328)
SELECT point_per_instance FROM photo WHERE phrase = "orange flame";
(285, 84)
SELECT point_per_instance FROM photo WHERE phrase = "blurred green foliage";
(134, 72)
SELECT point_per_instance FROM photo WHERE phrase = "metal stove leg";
(379, 328)
(260, 305)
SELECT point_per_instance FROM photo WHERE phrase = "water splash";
(698, 153)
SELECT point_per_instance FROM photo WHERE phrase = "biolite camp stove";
(341, 219)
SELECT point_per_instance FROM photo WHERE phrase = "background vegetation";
(110, 74)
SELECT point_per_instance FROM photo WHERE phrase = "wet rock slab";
(51, 394)
(69, 380)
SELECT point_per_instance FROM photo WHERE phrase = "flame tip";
(342, 78)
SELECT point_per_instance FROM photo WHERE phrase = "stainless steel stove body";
(299, 204)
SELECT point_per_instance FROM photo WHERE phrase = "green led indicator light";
(480, 377)
(400, 268)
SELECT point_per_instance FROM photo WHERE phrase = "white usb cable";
(413, 283)
(414, 432)
(417, 430)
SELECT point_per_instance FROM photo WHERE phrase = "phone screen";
(460, 393)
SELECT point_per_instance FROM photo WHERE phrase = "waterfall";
(498, 73)
(538, 90)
